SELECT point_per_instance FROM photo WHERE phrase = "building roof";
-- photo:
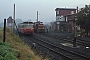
(65, 9)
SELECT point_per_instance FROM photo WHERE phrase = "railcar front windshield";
(28, 26)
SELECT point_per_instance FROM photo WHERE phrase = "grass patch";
(15, 48)
(1, 29)
(7, 53)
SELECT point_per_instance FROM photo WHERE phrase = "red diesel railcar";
(26, 28)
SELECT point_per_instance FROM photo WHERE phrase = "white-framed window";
(72, 12)
(61, 16)
(57, 18)
(58, 27)
(58, 12)
(58, 22)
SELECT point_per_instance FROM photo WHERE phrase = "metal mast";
(13, 19)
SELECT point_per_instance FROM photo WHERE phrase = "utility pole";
(4, 32)
(37, 16)
(13, 27)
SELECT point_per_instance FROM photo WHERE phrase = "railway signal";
(74, 41)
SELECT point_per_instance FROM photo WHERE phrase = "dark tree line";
(83, 17)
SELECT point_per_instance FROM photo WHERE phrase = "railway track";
(79, 49)
(70, 55)
(68, 39)
(40, 48)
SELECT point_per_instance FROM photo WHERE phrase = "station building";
(64, 19)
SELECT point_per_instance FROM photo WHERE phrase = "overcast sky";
(26, 9)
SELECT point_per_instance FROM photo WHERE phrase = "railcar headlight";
(31, 29)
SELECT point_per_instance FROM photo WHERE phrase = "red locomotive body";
(26, 28)
(39, 27)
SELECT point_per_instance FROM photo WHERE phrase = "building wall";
(9, 22)
(71, 17)
(72, 26)
(65, 12)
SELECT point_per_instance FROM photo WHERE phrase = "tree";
(84, 18)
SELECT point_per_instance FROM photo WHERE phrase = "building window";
(58, 22)
(61, 16)
(57, 18)
(72, 12)
(57, 12)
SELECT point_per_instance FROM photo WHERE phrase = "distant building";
(9, 22)
(64, 19)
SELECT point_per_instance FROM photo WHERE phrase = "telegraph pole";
(4, 32)
(37, 16)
